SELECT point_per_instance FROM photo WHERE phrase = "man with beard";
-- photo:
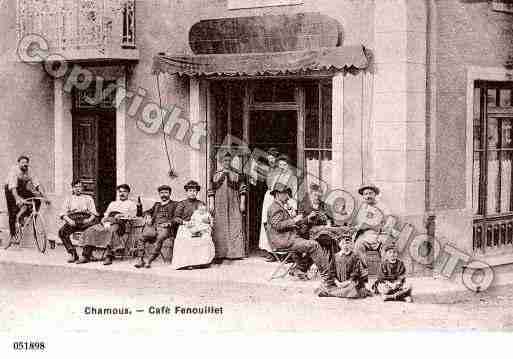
(21, 184)
(370, 234)
(159, 226)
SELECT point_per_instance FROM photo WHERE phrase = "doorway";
(94, 150)
(254, 115)
(269, 128)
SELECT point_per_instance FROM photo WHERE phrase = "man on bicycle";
(21, 184)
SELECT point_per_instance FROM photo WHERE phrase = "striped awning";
(330, 59)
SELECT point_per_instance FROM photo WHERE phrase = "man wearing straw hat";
(281, 229)
(369, 221)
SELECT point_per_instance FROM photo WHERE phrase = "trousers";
(67, 230)
(162, 233)
(318, 254)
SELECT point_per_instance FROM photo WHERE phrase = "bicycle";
(34, 220)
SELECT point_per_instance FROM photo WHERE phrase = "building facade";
(412, 95)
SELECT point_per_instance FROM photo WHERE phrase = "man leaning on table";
(108, 233)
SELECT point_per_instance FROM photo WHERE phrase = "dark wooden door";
(94, 155)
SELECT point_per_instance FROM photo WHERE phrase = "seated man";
(282, 236)
(78, 213)
(351, 271)
(316, 214)
(391, 282)
(159, 227)
(369, 222)
(107, 234)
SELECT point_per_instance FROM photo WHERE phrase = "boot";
(108, 260)
(139, 264)
(74, 257)
(152, 258)
(298, 273)
(83, 260)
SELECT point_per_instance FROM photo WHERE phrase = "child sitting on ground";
(351, 271)
(201, 222)
(391, 282)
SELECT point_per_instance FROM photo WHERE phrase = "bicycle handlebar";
(30, 199)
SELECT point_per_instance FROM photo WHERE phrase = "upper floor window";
(246, 4)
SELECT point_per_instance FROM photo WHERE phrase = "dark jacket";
(171, 207)
(280, 226)
(184, 210)
(390, 272)
(321, 218)
(351, 267)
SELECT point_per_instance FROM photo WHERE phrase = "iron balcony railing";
(101, 25)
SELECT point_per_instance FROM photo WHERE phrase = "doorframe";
(63, 145)
(247, 106)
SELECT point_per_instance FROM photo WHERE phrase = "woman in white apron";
(263, 243)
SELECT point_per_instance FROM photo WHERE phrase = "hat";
(273, 151)
(123, 186)
(281, 188)
(283, 157)
(164, 187)
(192, 185)
(368, 186)
(389, 245)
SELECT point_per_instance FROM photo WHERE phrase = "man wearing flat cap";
(281, 229)
(159, 226)
(369, 221)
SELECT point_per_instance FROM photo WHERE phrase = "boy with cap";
(159, 226)
(351, 271)
(391, 282)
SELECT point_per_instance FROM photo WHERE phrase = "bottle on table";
(139, 207)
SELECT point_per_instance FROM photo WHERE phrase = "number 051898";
(20, 345)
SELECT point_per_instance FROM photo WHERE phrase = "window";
(492, 186)
(318, 133)
(128, 24)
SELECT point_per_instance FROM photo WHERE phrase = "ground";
(40, 299)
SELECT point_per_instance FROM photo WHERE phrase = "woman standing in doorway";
(230, 192)
(263, 243)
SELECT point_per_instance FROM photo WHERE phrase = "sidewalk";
(253, 270)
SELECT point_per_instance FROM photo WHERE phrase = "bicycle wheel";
(39, 233)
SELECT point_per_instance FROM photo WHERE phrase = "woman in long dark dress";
(229, 190)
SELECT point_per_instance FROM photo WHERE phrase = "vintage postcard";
(254, 167)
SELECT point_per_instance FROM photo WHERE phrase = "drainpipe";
(430, 217)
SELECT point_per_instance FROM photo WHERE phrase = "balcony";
(82, 30)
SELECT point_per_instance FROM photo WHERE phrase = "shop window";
(492, 187)
(318, 133)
